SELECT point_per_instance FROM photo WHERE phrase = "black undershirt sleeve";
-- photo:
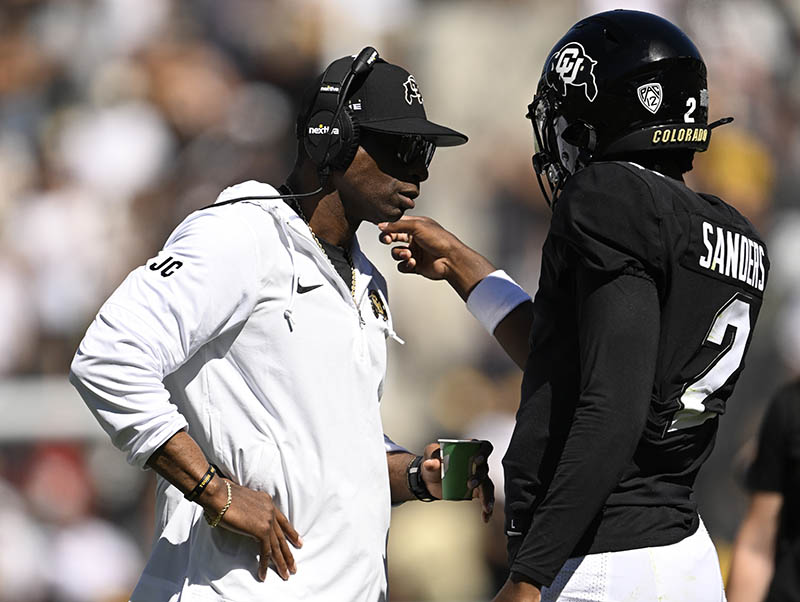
(619, 323)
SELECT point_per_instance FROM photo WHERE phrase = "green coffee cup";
(458, 464)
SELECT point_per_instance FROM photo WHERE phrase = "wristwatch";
(416, 483)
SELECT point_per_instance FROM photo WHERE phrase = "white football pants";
(687, 571)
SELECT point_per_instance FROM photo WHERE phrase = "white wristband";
(494, 297)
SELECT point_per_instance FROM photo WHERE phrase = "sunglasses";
(408, 148)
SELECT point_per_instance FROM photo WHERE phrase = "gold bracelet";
(215, 521)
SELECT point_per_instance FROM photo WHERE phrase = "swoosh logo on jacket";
(304, 289)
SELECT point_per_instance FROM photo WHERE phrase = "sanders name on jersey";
(733, 254)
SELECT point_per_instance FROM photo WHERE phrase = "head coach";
(245, 362)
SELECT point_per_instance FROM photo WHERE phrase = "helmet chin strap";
(553, 173)
(582, 136)
(719, 122)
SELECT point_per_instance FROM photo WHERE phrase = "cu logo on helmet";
(575, 68)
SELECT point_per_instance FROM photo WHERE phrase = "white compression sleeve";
(494, 297)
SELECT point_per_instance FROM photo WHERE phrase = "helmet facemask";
(560, 148)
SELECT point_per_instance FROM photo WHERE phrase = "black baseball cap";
(386, 99)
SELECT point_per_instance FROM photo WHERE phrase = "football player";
(647, 300)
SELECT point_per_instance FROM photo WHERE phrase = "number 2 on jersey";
(734, 314)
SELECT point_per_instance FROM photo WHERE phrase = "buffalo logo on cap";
(412, 90)
(575, 68)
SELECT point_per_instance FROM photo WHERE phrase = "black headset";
(329, 135)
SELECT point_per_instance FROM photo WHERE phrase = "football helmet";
(618, 82)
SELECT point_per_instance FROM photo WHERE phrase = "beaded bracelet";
(215, 521)
(201, 486)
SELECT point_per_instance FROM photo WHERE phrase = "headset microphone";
(361, 64)
(364, 61)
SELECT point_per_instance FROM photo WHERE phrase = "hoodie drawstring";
(287, 313)
(389, 324)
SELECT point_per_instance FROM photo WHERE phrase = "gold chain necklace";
(296, 206)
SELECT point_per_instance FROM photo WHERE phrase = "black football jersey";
(610, 437)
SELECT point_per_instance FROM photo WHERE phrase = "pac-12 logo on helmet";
(650, 96)
(575, 68)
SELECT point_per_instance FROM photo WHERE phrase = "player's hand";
(429, 250)
(518, 591)
(478, 480)
(253, 513)
(426, 249)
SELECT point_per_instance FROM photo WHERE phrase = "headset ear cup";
(340, 145)
(349, 138)
(316, 137)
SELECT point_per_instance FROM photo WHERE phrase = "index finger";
(406, 224)
(479, 471)
(480, 465)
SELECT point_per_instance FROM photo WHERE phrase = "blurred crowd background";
(119, 117)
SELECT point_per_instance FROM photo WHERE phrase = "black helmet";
(618, 82)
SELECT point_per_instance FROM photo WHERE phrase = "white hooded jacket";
(241, 331)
